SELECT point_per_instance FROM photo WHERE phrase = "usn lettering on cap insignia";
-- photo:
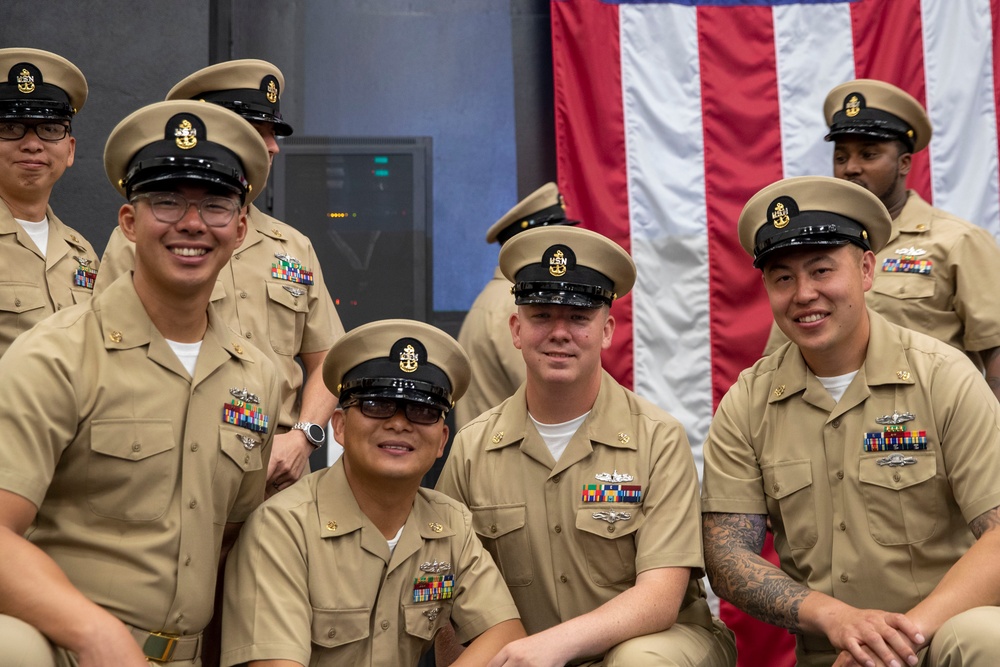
(435, 566)
(428, 589)
(85, 274)
(185, 135)
(557, 264)
(272, 91)
(852, 106)
(897, 461)
(290, 269)
(894, 437)
(244, 410)
(409, 361)
(779, 216)
(611, 516)
(909, 261)
(25, 82)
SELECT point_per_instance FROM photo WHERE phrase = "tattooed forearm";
(985, 521)
(739, 574)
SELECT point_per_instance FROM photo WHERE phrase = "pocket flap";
(495, 521)
(784, 479)
(242, 446)
(131, 439)
(610, 522)
(897, 477)
(276, 292)
(424, 619)
(903, 285)
(336, 627)
(21, 297)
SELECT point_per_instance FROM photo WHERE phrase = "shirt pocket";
(501, 528)
(24, 303)
(235, 462)
(340, 629)
(789, 486)
(131, 474)
(903, 285)
(286, 316)
(424, 619)
(902, 502)
(609, 547)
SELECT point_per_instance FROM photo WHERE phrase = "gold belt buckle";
(159, 647)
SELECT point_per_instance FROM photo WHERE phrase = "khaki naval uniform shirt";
(33, 286)
(537, 519)
(129, 460)
(342, 599)
(280, 316)
(845, 523)
(497, 366)
(957, 297)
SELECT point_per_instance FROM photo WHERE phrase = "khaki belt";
(166, 648)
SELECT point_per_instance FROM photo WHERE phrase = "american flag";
(670, 115)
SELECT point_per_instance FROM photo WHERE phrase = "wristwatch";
(315, 434)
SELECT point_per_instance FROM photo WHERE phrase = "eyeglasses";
(172, 207)
(13, 130)
(383, 408)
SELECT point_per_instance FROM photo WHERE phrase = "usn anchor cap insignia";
(435, 566)
(25, 82)
(186, 135)
(557, 264)
(409, 360)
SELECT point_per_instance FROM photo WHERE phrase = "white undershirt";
(557, 436)
(187, 353)
(837, 384)
(395, 540)
(38, 231)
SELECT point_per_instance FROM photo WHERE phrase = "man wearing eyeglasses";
(356, 564)
(44, 265)
(136, 426)
(272, 292)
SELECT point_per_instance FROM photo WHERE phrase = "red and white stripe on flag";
(671, 114)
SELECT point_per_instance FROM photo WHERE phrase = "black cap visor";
(811, 228)
(416, 391)
(561, 294)
(872, 123)
(219, 170)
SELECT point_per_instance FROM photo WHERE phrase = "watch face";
(316, 433)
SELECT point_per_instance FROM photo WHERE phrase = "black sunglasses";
(384, 408)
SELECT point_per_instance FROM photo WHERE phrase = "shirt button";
(776, 487)
(180, 617)
(844, 578)
(836, 423)
(840, 474)
(611, 529)
(249, 334)
(558, 529)
(243, 295)
(562, 578)
(194, 446)
(385, 625)
(555, 480)
(193, 504)
(187, 561)
(331, 633)
(17, 302)
(493, 528)
(896, 477)
(843, 526)
(136, 446)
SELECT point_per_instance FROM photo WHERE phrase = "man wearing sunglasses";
(585, 494)
(44, 265)
(136, 426)
(272, 292)
(356, 564)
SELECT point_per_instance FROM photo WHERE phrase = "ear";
(241, 228)
(72, 151)
(868, 261)
(444, 440)
(515, 328)
(339, 421)
(905, 163)
(126, 220)
(609, 331)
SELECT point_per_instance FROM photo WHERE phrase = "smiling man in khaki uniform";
(137, 426)
(371, 565)
(272, 292)
(937, 274)
(585, 494)
(497, 366)
(873, 451)
(44, 265)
